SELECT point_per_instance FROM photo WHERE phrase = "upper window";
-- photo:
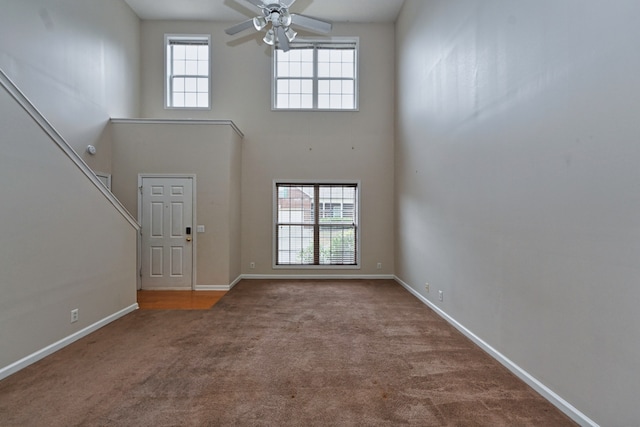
(316, 75)
(316, 224)
(187, 71)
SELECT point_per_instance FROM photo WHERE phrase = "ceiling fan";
(276, 13)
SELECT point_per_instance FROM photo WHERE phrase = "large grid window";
(187, 71)
(316, 76)
(316, 224)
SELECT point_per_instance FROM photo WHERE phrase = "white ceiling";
(236, 10)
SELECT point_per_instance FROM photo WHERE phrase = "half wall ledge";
(182, 122)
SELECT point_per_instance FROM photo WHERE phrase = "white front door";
(167, 230)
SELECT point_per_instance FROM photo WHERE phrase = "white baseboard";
(218, 287)
(539, 387)
(291, 277)
(212, 288)
(50, 349)
(318, 276)
(235, 282)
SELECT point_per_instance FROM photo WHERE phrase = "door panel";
(176, 262)
(167, 253)
(177, 220)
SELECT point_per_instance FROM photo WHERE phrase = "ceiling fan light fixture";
(270, 37)
(285, 18)
(259, 22)
(290, 34)
(276, 13)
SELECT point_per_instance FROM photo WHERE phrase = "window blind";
(316, 224)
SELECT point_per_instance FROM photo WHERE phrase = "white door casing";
(165, 211)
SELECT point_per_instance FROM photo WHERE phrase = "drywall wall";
(235, 207)
(78, 63)
(293, 145)
(207, 149)
(62, 244)
(62, 247)
(517, 185)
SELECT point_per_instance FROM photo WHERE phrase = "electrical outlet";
(441, 295)
(426, 286)
(379, 266)
(252, 265)
(74, 315)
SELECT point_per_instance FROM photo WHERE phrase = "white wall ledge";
(182, 122)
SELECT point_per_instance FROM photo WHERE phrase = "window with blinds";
(316, 224)
(316, 75)
(187, 71)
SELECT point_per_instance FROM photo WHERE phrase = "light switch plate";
(200, 228)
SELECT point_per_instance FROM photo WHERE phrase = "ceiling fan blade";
(287, 3)
(283, 42)
(240, 27)
(257, 3)
(310, 23)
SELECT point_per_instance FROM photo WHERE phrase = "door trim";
(194, 235)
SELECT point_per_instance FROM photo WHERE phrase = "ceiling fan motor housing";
(278, 15)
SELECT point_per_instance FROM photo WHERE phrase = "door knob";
(188, 238)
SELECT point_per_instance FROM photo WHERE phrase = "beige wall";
(208, 150)
(517, 185)
(294, 145)
(235, 207)
(63, 246)
(78, 63)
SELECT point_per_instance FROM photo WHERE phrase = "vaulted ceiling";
(234, 10)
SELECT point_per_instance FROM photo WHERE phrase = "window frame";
(167, 69)
(319, 42)
(357, 227)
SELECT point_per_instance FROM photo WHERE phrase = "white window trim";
(274, 221)
(327, 40)
(168, 37)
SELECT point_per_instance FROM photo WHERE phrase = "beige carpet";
(277, 353)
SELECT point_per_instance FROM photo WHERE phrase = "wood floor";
(178, 300)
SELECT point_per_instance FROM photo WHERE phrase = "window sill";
(316, 267)
(320, 110)
(188, 108)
